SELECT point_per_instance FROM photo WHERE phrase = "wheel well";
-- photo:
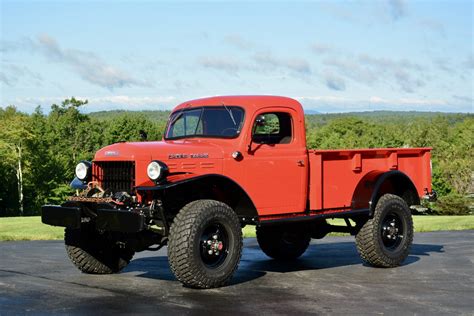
(214, 187)
(377, 183)
(394, 182)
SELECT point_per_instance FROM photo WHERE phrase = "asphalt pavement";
(36, 277)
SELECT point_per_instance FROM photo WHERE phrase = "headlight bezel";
(160, 167)
(83, 174)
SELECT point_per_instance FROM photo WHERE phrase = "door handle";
(300, 163)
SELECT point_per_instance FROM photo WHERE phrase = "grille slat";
(115, 176)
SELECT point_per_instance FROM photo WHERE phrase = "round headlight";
(82, 170)
(157, 170)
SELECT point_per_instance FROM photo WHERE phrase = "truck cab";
(226, 162)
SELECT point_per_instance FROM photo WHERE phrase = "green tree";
(14, 134)
(128, 127)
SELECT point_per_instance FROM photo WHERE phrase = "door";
(276, 164)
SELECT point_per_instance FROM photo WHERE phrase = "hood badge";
(111, 153)
(182, 156)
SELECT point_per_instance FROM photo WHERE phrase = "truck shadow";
(255, 264)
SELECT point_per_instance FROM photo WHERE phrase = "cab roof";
(248, 102)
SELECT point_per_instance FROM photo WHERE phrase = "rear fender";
(377, 183)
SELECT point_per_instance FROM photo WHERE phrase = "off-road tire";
(94, 253)
(283, 242)
(369, 240)
(185, 244)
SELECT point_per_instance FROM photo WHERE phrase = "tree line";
(38, 152)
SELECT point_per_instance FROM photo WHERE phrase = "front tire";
(286, 242)
(385, 240)
(95, 253)
(205, 244)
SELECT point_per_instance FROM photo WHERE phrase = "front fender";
(214, 186)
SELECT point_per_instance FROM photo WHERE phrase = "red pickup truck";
(227, 162)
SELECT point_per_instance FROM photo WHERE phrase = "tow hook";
(430, 196)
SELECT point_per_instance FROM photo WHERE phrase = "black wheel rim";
(290, 238)
(392, 231)
(214, 245)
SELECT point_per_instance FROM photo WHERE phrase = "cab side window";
(272, 128)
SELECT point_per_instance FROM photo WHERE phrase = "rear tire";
(385, 240)
(286, 242)
(94, 253)
(205, 244)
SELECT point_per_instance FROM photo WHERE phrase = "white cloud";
(12, 73)
(100, 103)
(268, 61)
(469, 62)
(260, 62)
(123, 102)
(5, 80)
(432, 25)
(407, 101)
(226, 64)
(464, 99)
(338, 104)
(328, 98)
(397, 8)
(372, 70)
(238, 41)
(87, 65)
(321, 48)
(334, 82)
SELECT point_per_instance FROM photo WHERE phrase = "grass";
(28, 228)
(31, 228)
(422, 223)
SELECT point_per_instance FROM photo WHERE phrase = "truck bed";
(335, 174)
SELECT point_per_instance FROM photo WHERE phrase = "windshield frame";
(183, 110)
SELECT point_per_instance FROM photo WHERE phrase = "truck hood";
(160, 150)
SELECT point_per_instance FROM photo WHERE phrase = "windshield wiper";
(230, 113)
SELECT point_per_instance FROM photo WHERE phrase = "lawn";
(28, 228)
(31, 228)
(422, 223)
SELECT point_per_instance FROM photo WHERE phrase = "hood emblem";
(111, 153)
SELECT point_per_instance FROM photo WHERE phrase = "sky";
(332, 56)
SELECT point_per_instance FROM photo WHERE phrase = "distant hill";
(109, 115)
(396, 113)
(311, 115)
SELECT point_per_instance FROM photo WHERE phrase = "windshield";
(216, 121)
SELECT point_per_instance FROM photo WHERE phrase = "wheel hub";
(392, 231)
(214, 245)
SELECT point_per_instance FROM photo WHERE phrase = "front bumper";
(107, 219)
